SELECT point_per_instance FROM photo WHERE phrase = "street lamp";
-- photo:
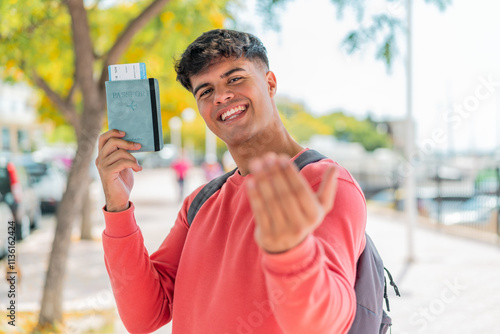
(175, 124)
(410, 186)
(188, 115)
(210, 146)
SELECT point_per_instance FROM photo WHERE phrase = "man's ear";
(272, 84)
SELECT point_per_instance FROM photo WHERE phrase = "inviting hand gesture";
(285, 207)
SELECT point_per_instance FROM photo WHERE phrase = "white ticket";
(133, 71)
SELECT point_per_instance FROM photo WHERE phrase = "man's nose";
(223, 96)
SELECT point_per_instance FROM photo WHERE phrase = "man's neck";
(279, 142)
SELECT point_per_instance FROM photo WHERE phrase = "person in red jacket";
(273, 251)
(181, 167)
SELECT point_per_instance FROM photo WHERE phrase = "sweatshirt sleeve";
(142, 285)
(312, 285)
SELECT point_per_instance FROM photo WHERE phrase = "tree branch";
(83, 48)
(65, 107)
(71, 93)
(124, 40)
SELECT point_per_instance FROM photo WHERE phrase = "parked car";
(6, 216)
(49, 181)
(476, 210)
(20, 195)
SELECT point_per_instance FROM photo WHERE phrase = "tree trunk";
(51, 307)
(87, 207)
(89, 124)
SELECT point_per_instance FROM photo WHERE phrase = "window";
(5, 138)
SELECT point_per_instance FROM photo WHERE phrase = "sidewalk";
(452, 287)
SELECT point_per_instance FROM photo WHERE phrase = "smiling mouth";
(233, 113)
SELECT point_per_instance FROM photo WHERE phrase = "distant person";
(212, 169)
(181, 167)
(274, 250)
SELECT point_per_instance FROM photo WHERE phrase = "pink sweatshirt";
(223, 283)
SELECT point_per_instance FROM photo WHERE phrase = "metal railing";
(455, 194)
(469, 204)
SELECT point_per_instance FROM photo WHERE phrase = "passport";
(134, 107)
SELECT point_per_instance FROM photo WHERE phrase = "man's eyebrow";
(228, 73)
(199, 87)
(225, 75)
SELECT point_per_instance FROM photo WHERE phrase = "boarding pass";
(133, 71)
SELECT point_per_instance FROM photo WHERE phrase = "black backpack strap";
(208, 190)
(307, 157)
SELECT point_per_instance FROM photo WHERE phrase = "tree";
(302, 125)
(381, 28)
(64, 48)
(348, 128)
(299, 122)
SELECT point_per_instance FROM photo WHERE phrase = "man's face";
(234, 97)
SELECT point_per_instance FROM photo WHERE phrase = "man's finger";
(328, 188)
(306, 198)
(119, 155)
(276, 193)
(114, 144)
(103, 138)
(122, 164)
(257, 204)
(284, 194)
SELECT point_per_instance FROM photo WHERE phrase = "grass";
(91, 321)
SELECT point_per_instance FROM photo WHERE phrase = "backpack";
(370, 285)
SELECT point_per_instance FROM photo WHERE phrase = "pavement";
(451, 286)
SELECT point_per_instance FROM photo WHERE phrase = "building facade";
(17, 117)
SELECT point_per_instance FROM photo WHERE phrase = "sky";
(456, 70)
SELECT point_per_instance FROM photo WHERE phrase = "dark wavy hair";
(213, 45)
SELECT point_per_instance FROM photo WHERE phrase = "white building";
(17, 117)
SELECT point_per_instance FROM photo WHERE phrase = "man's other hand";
(285, 207)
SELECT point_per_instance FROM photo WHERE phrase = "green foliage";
(380, 29)
(299, 122)
(440, 4)
(302, 125)
(348, 128)
(487, 175)
(270, 12)
(36, 35)
(61, 134)
(161, 42)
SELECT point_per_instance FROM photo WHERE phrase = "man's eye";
(234, 79)
(206, 91)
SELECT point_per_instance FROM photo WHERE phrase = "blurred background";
(404, 94)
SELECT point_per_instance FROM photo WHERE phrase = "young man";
(273, 251)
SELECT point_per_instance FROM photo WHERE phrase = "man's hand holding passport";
(133, 102)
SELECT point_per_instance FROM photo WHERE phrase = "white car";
(6, 216)
(49, 184)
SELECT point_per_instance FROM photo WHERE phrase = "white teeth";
(232, 111)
